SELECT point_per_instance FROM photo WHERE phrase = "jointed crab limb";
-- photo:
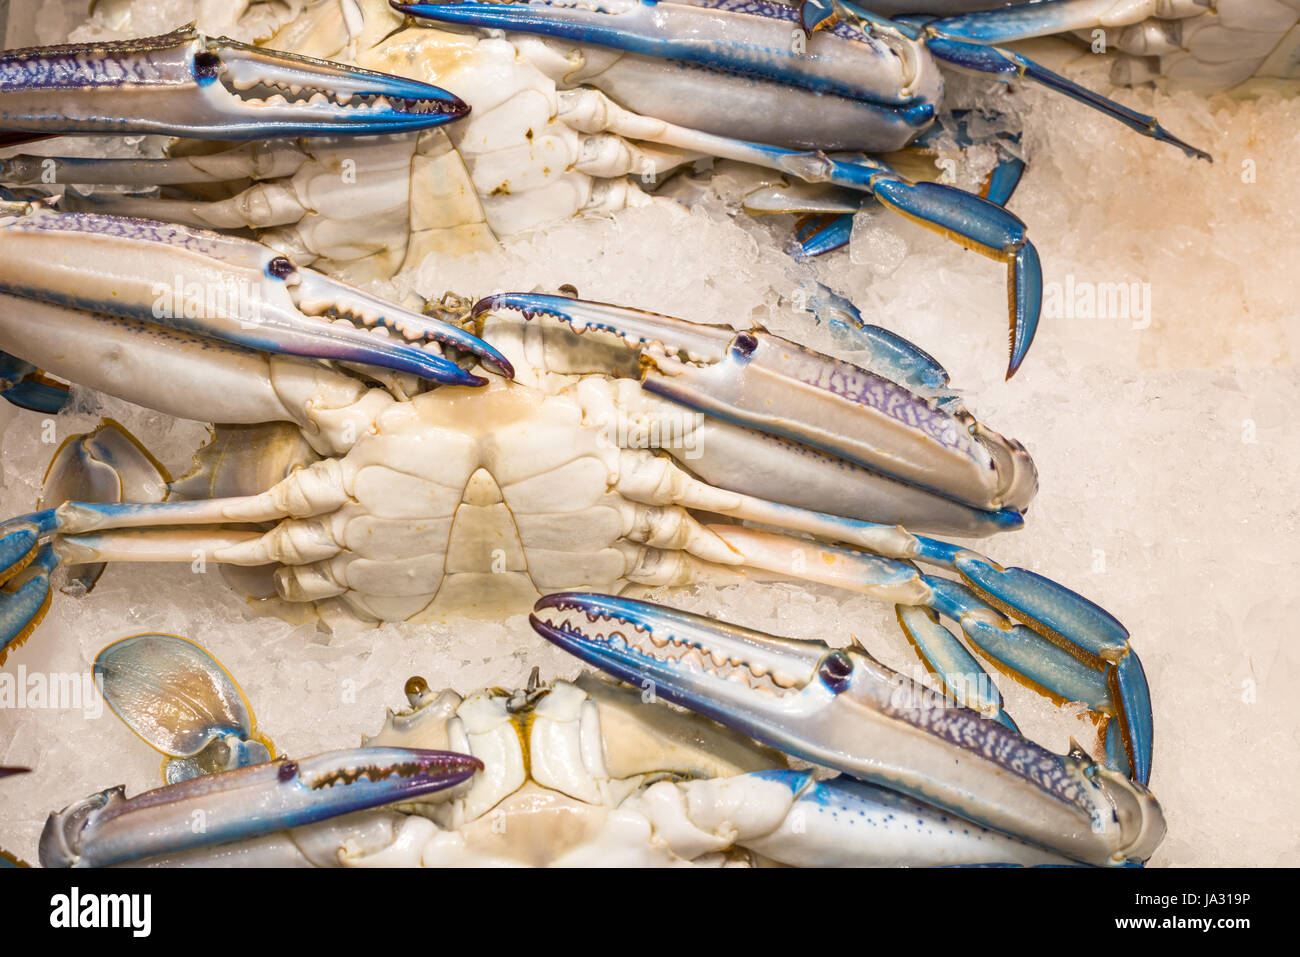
(1006, 65)
(969, 220)
(771, 387)
(22, 384)
(883, 73)
(842, 709)
(185, 84)
(25, 596)
(962, 42)
(1067, 644)
(109, 828)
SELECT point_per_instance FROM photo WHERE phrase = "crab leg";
(108, 828)
(231, 289)
(1006, 65)
(1065, 644)
(22, 384)
(882, 69)
(828, 226)
(969, 220)
(842, 709)
(186, 84)
(760, 387)
(32, 546)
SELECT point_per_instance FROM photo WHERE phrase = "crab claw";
(224, 287)
(751, 40)
(772, 385)
(842, 709)
(108, 828)
(186, 84)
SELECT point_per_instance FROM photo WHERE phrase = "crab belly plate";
(472, 504)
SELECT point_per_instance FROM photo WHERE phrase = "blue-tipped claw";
(186, 84)
(842, 709)
(108, 828)
(269, 304)
(23, 385)
(818, 235)
(889, 354)
(749, 40)
(964, 680)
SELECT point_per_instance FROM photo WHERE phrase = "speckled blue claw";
(182, 702)
(840, 708)
(840, 822)
(186, 84)
(108, 828)
(747, 39)
(771, 385)
(223, 287)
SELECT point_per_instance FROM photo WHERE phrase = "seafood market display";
(268, 223)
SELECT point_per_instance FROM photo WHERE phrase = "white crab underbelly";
(473, 507)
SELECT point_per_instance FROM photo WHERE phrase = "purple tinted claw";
(186, 84)
(840, 708)
(772, 385)
(108, 828)
(247, 294)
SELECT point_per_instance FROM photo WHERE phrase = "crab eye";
(743, 345)
(415, 689)
(835, 671)
(280, 268)
(206, 66)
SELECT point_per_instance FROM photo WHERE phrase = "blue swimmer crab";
(533, 443)
(591, 772)
(575, 101)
